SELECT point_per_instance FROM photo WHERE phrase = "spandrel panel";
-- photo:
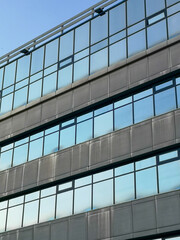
(124, 188)
(64, 204)
(51, 55)
(173, 25)
(99, 28)
(153, 37)
(153, 6)
(23, 68)
(37, 60)
(84, 131)
(65, 76)
(9, 75)
(66, 45)
(31, 213)
(47, 209)
(49, 84)
(117, 52)
(6, 103)
(5, 160)
(51, 143)
(135, 11)
(14, 219)
(136, 43)
(35, 90)
(146, 182)
(20, 97)
(81, 69)
(82, 37)
(106, 127)
(117, 19)
(99, 60)
(169, 176)
(67, 137)
(82, 199)
(123, 117)
(20, 154)
(35, 149)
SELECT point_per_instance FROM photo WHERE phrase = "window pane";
(117, 19)
(14, 217)
(20, 155)
(103, 194)
(173, 25)
(20, 97)
(99, 45)
(81, 69)
(9, 74)
(146, 163)
(178, 95)
(35, 90)
(16, 201)
(169, 176)
(64, 186)
(165, 101)
(1, 77)
(146, 182)
(153, 37)
(83, 181)
(48, 191)
(65, 76)
(167, 156)
(82, 37)
(140, 113)
(123, 117)
(106, 127)
(47, 209)
(51, 53)
(35, 149)
(153, 6)
(156, 18)
(5, 160)
(107, 108)
(67, 137)
(64, 204)
(84, 131)
(66, 45)
(49, 84)
(135, 11)
(99, 60)
(99, 28)
(32, 196)
(31, 213)
(124, 188)
(102, 175)
(23, 68)
(124, 169)
(170, 2)
(3, 220)
(82, 201)
(6, 104)
(143, 94)
(51, 143)
(136, 43)
(37, 60)
(117, 52)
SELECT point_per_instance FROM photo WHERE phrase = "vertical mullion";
(14, 86)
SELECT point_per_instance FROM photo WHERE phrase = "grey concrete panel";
(3, 181)
(11, 180)
(168, 209)
(5, 129)
(163, 129)
(159, 62)
(99, 88)
(95, 154)
(13, 236)
(18, 122)
(59, 230)
(63, 163)
(26, 234)
(47, 168)
(99, 225)
(144, 215)
(64, 104)
(105, 149)
(177, 124)
(123, 237)
(141, 136)
(175, 55)
(138, 71)
(80, 157)
(33, 116)
(81, 96)
(120, 144)
(118, 80)
(30, 174)
(42, 232)
(48, 110)
(78, 227)
(18, 177)
(121, 220)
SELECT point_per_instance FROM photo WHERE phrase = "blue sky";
(23, 20)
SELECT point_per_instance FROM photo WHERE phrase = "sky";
(23, 20)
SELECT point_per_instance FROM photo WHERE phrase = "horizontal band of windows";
(146, 177)
(159, 99)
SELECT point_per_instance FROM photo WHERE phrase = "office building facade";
(90, 127)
